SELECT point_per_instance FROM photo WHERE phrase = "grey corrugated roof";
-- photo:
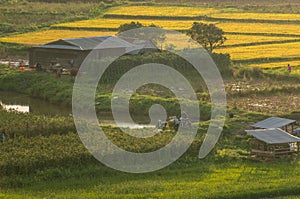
(65, 47)
(273, 122)
(87, 43)
(114, 42)
(273, 136)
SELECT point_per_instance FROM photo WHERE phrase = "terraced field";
(257, 16)
(287, 50)
(113, 24)
(255, 28)
(276, 64)
(167, 11)
(237, 39)
(261, 28)
(41, 37)
(245, 41)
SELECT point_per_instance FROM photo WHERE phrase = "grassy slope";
(225, 173)
(200, 179)
(32, 15)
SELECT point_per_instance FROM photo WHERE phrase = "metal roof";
(65, 47)
(87, 43)
(273, 122)
(273, 136)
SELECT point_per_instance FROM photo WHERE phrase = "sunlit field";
(267, 28)
(287, 50)
(41, 37)
(257, 16)
(288, 29)
(231, 40)
(276, 64)
(252, 39)
(168, 11)
(115, 23)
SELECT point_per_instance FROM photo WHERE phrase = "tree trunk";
(211, 47)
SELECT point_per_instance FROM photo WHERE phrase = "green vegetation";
(57, 166)
(208, 35)
(43, 157)
(29, 125)
(29, 16)
(44, 86)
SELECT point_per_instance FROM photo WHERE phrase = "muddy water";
(27, 104)
(24, 103)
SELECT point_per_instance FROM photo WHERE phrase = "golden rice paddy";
(286, 50)
(248, 39)
(46, 36)
(257, 16)
(115, 23)
(169, 11)
(276, 64)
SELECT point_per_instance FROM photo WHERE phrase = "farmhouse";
(276, 122)
(273, 143)
(72, 52)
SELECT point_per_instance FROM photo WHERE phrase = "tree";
(208, 35)
(152, 36)
(129, 26)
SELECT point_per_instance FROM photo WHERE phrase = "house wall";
(48, 56)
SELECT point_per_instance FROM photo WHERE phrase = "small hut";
(273, 143)
(72, 52)
(276, 122)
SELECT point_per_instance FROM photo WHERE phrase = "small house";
(72, 52)
(273, 143)
(276, 122)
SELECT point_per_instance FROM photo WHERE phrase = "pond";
(26, 104)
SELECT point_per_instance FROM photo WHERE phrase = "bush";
(248, 73)
(7, 28)
(223, 63)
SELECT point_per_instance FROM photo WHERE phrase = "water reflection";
(18, 108)
(24, 103)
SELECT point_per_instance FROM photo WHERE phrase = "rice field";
(249, 39)
(276, 64)
(107, 26)
(180, 43)
(46, 36)
(175, 11)
(168, 11)
(41, 37)
(115, 23)
(270, 28)
(286, 50)
(257, 16)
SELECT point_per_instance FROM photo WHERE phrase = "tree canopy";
(153, 36)
(129, 26)
(208, 35)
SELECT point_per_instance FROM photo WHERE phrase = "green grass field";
(200, 179)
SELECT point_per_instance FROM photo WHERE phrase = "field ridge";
(206, 18)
